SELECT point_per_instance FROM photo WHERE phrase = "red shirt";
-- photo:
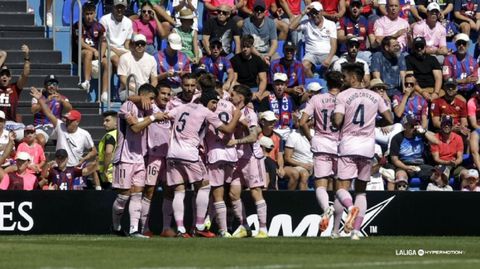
(9, 101)
(457, 108)
(330, 6)
(447, 150)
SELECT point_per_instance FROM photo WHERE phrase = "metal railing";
(109, 72)
(80, 31)
(54, 35)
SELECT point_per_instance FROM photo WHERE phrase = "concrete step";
(13, 6)
(41, 69)
(36, 56)
(16, 18)
(84, 107)
(34, 43)
(23, 31)
(87, 119)
(73, 94)
(64, 80)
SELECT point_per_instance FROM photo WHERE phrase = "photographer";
(407, 152)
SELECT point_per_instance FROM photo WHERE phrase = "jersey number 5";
(182, 121)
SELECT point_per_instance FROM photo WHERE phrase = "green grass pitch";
(79, 251)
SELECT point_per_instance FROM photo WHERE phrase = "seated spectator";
(218, 65)
(92, 35)
(215, 6)
(439, 179)
(425, 68)
(401, 184)
(188, 35)
(250, 69)
(422, 7)
(149, 25)
(10, 93)
(30, 146)
(19, 179)
(290, 66)
(406, 9)
(267, 145)
(57, 103)
(179, 6)
(120, 30)
(376, 182)
(473, 109)
(389, 65)
(470, 181)
(391, 24)
(270, 9)
(408, 151)
(354, 24)
(461, 66)
(467, 15)
(334, 10)
(106, 148)
(433, 31)
(172, 63)
(223, 28)
(353, 45)
(267, 123)
(411, 102)
(138, 63)
(320, 37)
(160, 11)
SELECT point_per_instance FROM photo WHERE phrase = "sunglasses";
(140, 44)
(225, 13)
(149, 12)
(313, 13)
(217, 46)
(289, 50)
(379, 89)
(461, 43)
(409, 84)
(52, 83)
(259, 10)
(402, 186)
(419, 47)
(354, 45)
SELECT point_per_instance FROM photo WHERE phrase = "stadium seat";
(280, 47)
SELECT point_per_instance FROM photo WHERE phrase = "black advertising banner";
(289, 213)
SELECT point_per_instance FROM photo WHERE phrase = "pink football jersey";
(158, 135)
(246, 151)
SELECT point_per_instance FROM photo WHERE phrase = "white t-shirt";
(143, 68)
(76, 144)
(337, 65)
(317, 40)
(301, 147)
(433, 187)
(118, 32)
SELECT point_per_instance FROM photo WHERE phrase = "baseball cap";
(446, 119)
(450, 81)
(443, 170)
(139, 37)
(317, 6)
(462, 36)
(419, 40)
(61, 153)
(29, 128)
(357, 2)
(314, 87)
(376, 82)
(433, 6)
(22, 155)
(49, 78)
(353, 40)
(5, 71)
(259, 3)
(280, 76)
(120, 2)
(409, 120)
(266, 142)
(215, 41)
(175, 41)
(472, 173)
(268, 116)
(2, 115)
(73, 115)
(288, 45)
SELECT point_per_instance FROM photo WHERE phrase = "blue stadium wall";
(289, 213)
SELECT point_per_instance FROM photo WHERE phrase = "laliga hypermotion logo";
(281, 225)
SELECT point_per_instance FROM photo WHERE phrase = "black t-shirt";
(224, 33)
(248, 70)
(423, 69)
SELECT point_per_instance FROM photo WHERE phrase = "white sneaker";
(104, 97)
(334, 235)
(85, 85)
(355, 235)
(49, 20)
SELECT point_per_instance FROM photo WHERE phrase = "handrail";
(80, 33)
(54, 36)
(128, 84)
(109, 70)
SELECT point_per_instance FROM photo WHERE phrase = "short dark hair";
(247, 39)
(89, 6)
(409, 75)
(206, 81)
(334, 79)
(163, 84)
(354, 68)
(386, 41)
(189, 76)
(112, 113)
(147, 88)
(245, 91)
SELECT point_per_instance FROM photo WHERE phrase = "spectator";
(425, 68)
(19, 179)
(290, 66)
(120, 30)
(150, 26)
(106, 148)
(222, 28)
(160, 12)
(271, 167)
(30, 146)
(410, 102)
(172, 63)
(473, 110)
(353, 45)
(92, 34)
(406, 9)
(215, 6)
(474, 147)
(470, 181)
(461, 66)
(138, 63)
(422, 7)
(250, 69)
(354, 25)
(467, 15)
(267, 123)
(320, 36)
(392, 25)
(433, 31)
(3, 57)
(389, 65)
(439, 179)
(334, 9)
(57, 103)
(4, 135)
(287, 11)
(376, 182)
(188, 35)
(401, 184)
(218, 65)
(270, 9)
(182, 5)
(10, 94)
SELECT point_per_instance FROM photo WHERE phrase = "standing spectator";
(410, 102)
(20, 179)
(188, 35)
(353, 45)
(30, 146)
(10, 94)
(440, 178)
(433, 31)
(467, 15)
(320, 37)
(218, 65)
(223, 28)
(92, 35)
(392, 25)
(461, 66)
(290, 66)
(106, 148)
(389, 65)
(172, 63)
(425, 68)
(149, 25)
(57, 103)
(120, 30)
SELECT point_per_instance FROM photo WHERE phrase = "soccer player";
(355, 112)
(189, 91)
(129, 167)
(324, 142)
(183, 162)
(250, 169)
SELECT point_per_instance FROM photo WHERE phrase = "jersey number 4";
(359, 117)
